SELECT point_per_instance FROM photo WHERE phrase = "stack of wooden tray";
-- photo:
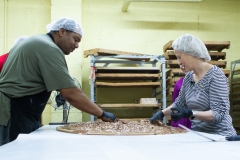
(114, 74)
(127, 77)
(215, 51)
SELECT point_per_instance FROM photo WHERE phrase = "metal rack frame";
(234, 93)
(153, 60)
(233, 73)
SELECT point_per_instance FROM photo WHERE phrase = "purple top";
(177, 88)
(185, 121)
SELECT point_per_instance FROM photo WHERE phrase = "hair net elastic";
(19, 39)
(191, 45)
(67, 24)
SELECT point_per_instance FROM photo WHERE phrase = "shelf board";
(129, 105)
(133, 76)
(132, 84)
(235, 108)
(127, 70)
(108, 52)
(167, 73)
(226, 72)
(174, 64)
(235, 92)
(179, 72)
(236, 72)
(214, 55)
(235, 81)
(236, 86)
(211, 45)
(234, 100)
(175, 79)
(170, 90)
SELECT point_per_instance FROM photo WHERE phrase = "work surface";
(48, 144)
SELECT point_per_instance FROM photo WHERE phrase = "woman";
(204, 94)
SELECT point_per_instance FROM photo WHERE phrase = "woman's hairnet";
(191, 45)
(19, 39)
(65, 23)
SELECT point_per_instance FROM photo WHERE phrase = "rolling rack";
(138, 76)
(235, 95)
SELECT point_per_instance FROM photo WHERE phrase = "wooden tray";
(128, 70)
(174, 64)
(214, 55)
(133, 76)
(211, 45)
(129, 105)
(179, 72)
(126, 84)
(121, 127)
(108, 52)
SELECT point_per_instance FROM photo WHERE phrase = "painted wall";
(23, 17)
(72, 9)
(27, 17)
(19, 18)
(145, 28)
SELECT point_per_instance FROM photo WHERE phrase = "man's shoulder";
(42, 43)
(40, 37)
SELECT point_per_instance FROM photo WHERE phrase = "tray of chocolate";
(120, 127)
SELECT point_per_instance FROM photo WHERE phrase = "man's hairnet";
(191, 45)
(19, 39)
(65, 23)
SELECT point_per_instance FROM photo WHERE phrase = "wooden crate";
(103, 52)
(211, 45)
(174, 64)
(169, 54)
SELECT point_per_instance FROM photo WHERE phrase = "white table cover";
(47, 143)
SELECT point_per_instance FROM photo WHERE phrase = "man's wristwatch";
(193, 115)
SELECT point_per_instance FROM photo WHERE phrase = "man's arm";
(79, 100)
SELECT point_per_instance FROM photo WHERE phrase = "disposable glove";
(108, 117)
(233, 138)
(178, 113)
(158, 116)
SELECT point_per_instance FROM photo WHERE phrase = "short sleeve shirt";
(210, 93)
(35, 65)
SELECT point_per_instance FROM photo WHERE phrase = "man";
(32, 70)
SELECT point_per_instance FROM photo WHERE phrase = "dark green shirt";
(34, 65)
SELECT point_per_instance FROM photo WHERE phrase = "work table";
(47, 143)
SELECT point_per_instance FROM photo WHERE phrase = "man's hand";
(180, 112)
(158, 116)
(108, 117)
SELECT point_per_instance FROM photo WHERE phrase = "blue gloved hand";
(158, 116)
(180, 112)
(108, 117)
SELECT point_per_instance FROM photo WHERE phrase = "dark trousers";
(4, 134)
